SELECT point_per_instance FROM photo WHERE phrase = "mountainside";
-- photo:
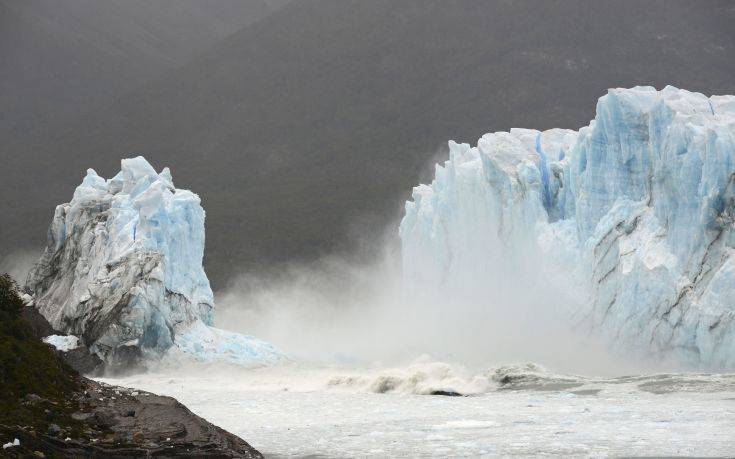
(635, 212)
(309, 126)
(60, 60)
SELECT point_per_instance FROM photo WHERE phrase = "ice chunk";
(122, 269)
(62, 343)
(208, 344)
(15, 442)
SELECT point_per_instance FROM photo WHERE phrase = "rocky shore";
(50, 410)
(116, 422)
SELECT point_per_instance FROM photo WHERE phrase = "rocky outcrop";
(79, 357)
(49, 410)
(116, 422)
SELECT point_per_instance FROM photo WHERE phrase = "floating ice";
(209, 344)
(519, 410)
(636, 209)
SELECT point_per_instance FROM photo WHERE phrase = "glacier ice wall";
(123, 270)
(635, 210)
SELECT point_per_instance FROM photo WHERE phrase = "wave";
(425, 376)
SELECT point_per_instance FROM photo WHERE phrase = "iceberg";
(634, 211)
(122, 270)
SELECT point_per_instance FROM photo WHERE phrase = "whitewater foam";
(519, 409)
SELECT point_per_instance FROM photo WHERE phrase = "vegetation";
(36, 387)
(56, 413)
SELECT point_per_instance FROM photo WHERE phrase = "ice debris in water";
(122, 270)
(209, 344)
(636, 210)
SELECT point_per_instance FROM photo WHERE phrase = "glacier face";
(635, 210)
(123, 269)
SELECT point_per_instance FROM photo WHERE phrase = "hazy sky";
(303, 126)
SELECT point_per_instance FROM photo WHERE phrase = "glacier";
(634, 212)
(122, 270)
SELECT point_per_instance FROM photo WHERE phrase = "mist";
(335, 311)
(243, 100)
(18, 263)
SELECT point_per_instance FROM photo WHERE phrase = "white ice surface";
(63, 343)
(204, 344)
(123, 267)
(335, 412)
(636, 211)
(15, 442)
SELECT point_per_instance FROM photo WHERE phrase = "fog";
(18, 263)
(346, 312)
(294, 118)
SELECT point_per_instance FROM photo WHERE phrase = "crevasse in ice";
(636, 210)
(123, 271)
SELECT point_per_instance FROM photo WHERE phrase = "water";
(521, 410)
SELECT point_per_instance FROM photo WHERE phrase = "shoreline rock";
(52, 411)
(117, 422)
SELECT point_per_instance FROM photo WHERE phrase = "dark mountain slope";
(60, 59)
(315, 122)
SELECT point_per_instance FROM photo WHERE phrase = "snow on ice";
(62, 343)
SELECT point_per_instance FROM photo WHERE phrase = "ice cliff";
(634, 211)
(123, 271)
